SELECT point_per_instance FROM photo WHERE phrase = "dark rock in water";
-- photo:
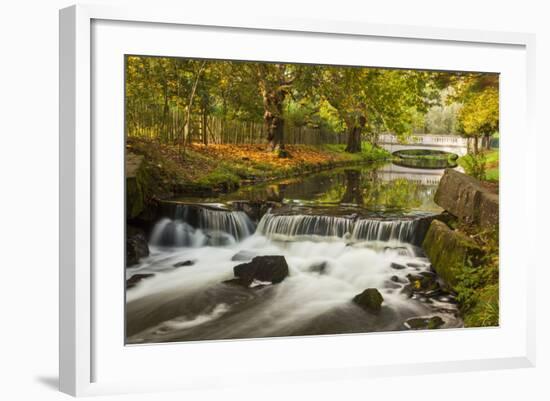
(136, 278)
(273, 269)
(407, 290)
(416, 265)
(184, 263)
(395, 279)
(370, 300)
(254, 209)
(318, 268)
(397, 266)
(136, 246)
(242, 256)
(420, 323)
(218, 238)
(423, 282)
(401, 250)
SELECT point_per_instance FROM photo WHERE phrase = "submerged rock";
(272, 269)
(420, 323)
(243, 255)
(318, 267)
(370, 300)
(136, 246)
(184, 263)
(136, 278)
(397, 266)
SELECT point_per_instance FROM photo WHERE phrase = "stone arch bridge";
(446, 143)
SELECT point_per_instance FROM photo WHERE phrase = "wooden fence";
(152, 121)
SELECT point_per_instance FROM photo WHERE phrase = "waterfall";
(300, 225)
(195, 226)
(284, 227)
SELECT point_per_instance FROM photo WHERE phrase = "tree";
(375, 99)
(479, 116)
(275, 83)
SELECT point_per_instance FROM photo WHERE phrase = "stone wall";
(467, 199)
(468, 202)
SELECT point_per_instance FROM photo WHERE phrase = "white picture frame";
(79, 225)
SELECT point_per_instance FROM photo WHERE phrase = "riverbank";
(491, 164)
(158, 171)
(463, 246)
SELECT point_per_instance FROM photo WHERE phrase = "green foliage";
(477, 288)
(443, 119)
(170, 99)
(475, 165)
(385, 100)
(369, 152)
(479, 115)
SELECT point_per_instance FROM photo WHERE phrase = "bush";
(475, 165)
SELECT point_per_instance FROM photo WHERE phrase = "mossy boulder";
(140, 185)
(370, 300)
(466, 198)
(449, 251)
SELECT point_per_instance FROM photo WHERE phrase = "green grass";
(489, 158)
(368, 152)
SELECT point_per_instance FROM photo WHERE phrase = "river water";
(340, 231)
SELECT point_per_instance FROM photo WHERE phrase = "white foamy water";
(326, 272)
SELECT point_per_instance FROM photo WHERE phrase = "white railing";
(425, 139)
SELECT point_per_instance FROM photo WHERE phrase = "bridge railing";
(425, 139)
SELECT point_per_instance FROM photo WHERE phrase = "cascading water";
(194, 226)
(285, 227)
(184, 294)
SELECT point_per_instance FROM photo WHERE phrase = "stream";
(340, 231)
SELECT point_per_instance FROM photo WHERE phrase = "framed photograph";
(260, 199)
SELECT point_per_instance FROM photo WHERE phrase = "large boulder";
(273, 269)
(136, 246)
(466, 198)
(449, 251)
(370, 300)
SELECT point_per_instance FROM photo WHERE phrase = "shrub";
(475, 165)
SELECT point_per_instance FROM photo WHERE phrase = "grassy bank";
(226, 167)
(485, 166)
(478, 288)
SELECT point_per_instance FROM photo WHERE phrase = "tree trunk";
(476, 143)
(354, 135)
(488, 142)
(204, 128)
(188, 116)
(275, 131)
(354, 140)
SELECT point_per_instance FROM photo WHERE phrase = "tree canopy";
(180, 101)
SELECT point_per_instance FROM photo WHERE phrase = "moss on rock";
(449, 251)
